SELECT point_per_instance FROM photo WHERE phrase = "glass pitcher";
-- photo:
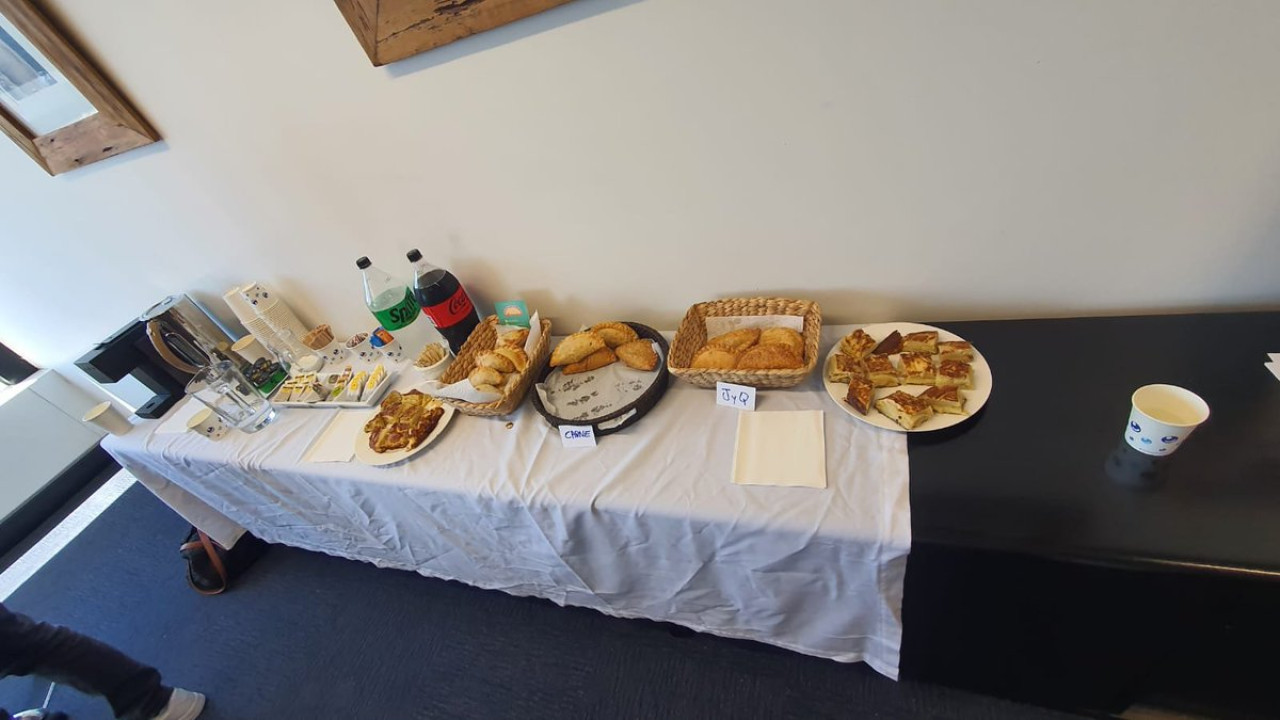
(230, 394)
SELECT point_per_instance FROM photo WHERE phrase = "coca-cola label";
(451, 311)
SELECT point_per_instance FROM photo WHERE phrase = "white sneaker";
(183, 705)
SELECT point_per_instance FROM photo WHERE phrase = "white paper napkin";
(1274, 365)
(337, 443)
(175, 421)
(721, 325)
(786, 448)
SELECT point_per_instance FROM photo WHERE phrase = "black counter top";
(1043, 469)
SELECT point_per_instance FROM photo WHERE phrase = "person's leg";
(28, 647)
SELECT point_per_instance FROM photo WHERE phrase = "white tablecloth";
(647, 524)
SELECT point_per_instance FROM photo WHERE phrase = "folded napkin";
(1274, 365)
(337, 442)
(781, 448)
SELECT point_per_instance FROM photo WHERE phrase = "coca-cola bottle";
(444, 300)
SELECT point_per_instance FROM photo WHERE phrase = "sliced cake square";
(961, 350)
(921, 342)
(906, 410)
(916, 368)
(954, 372)
(844, 367)
(881, 372)
(857, 344)
(861, 394)
(947, 399)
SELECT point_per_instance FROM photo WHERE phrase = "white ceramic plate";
(366, 455)
(974, 398)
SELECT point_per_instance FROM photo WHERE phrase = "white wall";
(930, 159)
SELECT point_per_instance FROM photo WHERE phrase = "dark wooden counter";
(1053, 563)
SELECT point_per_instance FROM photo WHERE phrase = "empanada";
(714, 358)
(594, 361)
(614, 333)
(783, 336)
(515, 338)
(495, 360)
(769, 357)
(489, 389)
(638, 354)
(517, 357)
(484, 376)
(575, 348)
(736, 340)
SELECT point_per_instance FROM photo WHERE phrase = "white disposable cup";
(392, 351)
(106, 417)
(1162, 417)
(363, 349)
(208, 423)
(250, 348)
(258, 297)
(335, 352)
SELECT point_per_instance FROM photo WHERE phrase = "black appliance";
(130, 352)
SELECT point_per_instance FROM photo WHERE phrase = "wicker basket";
(482, 339)
(692, 335)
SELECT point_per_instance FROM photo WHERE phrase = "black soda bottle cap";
(363, 263)
(413, 255)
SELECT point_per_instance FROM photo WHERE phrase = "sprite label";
(400, 314)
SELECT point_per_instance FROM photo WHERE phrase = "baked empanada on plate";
(575, 348)
(594, 361)
(638, 354)
(614, 333)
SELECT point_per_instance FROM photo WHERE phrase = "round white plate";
(975, 398)
(366, 455)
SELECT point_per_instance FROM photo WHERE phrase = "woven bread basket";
(692, 335)
(482, 339)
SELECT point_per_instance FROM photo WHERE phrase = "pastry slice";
(576, 348)
(921, 342)
(844, 367)
(714, 358)
(736, 340)
(861, 395)
(954, 373)
(858, 344)
(594, 361)
(614, 333)
(906, 410)
(890, 345)
(783, 336)
(916, 368)
(638, 354)
(770, 357)
(881, 372)
(961, 350)
(944, 399)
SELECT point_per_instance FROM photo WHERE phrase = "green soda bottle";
(390, 301)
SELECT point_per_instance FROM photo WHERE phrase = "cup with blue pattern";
(1162, 417)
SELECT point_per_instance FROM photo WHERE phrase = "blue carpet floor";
(305, 635)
